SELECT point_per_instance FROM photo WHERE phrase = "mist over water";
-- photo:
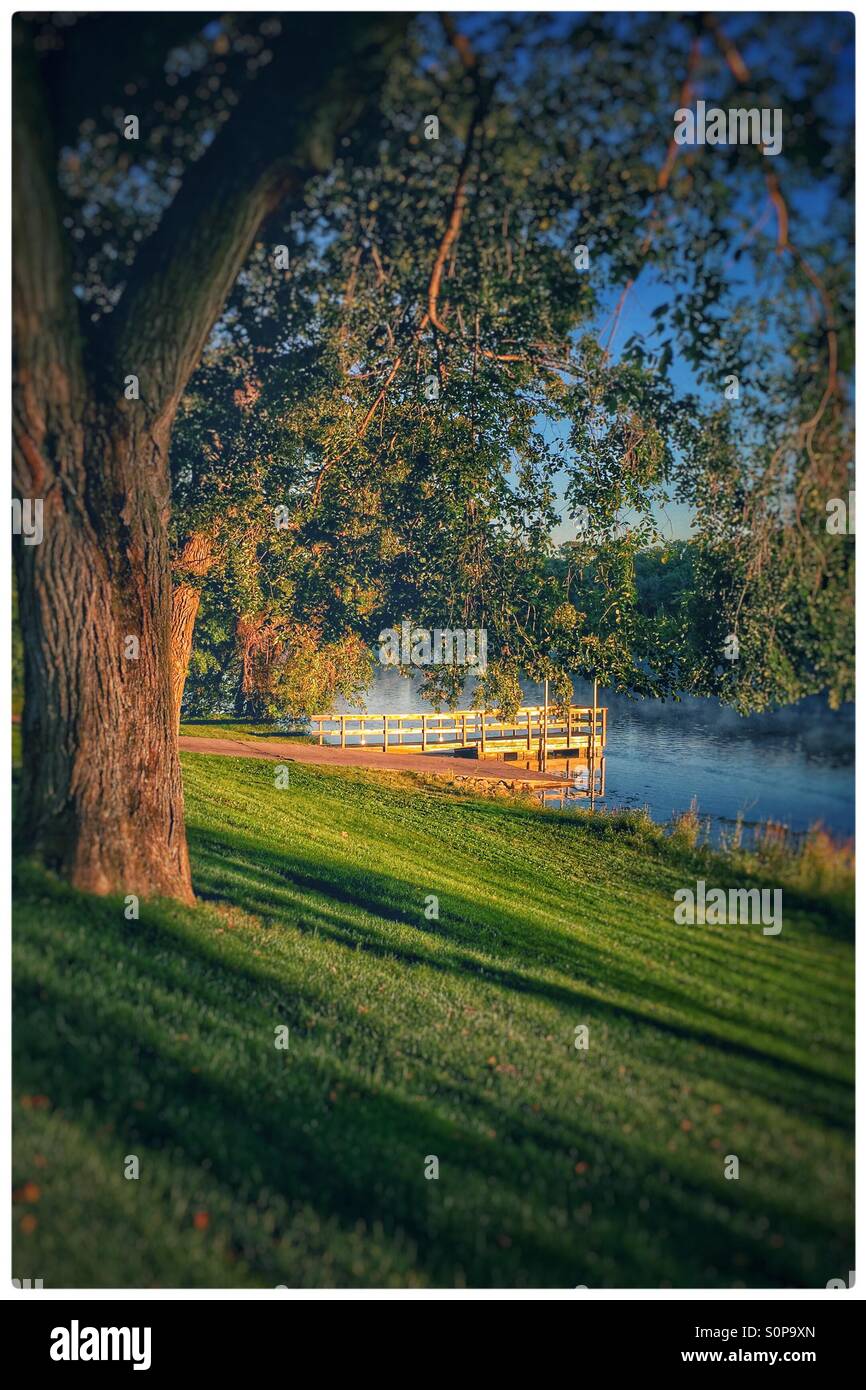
(795, 765)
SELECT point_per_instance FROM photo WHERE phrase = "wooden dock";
(578, 732)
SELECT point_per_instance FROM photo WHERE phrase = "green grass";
(239, 730)
(411, 1038)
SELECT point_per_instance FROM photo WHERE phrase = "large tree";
(102, 799)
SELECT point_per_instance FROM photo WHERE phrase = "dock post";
(592, 733)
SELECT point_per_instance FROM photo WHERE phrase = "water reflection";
(581, 782)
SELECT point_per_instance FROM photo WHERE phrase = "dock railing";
(580, 729)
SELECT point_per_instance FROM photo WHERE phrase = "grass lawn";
(409, 1038)
(240, 731)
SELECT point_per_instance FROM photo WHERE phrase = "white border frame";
(732, 1296)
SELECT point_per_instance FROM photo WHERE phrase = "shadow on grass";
(273, 888)
(831, 915)
(507, 1210)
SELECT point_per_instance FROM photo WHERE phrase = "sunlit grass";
(239, 729)
(411, 1037)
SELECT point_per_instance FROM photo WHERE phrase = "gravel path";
(437, 764)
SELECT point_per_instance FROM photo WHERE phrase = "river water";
(794, 766)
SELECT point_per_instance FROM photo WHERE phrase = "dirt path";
(436, 764)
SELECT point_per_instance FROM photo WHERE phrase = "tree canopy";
(448, 379)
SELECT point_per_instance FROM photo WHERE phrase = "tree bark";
(196, 558)
(102, 799)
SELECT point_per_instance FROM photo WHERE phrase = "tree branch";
(48, 365)
(285, 131)
(741, 74)
(663, 178)
(483, 94)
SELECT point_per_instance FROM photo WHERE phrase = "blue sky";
(831, 32)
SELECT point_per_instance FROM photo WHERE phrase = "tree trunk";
(195, 558)
(258, 645)
(102, 799)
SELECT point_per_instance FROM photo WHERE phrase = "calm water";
(794, 766)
